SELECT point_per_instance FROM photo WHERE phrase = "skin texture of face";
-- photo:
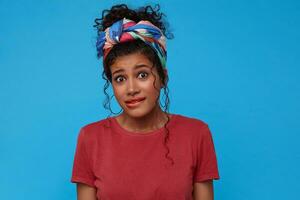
(132, 77)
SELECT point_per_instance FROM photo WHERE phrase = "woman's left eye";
(143, 74)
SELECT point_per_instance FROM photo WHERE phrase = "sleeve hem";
(82, 180)
(206, 177)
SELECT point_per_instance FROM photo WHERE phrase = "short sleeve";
(82, 171)
(206, 164)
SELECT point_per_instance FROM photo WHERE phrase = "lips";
(133, 103)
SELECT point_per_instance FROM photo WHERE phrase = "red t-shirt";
(131, 166)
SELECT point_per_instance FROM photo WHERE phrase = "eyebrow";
(136, 67)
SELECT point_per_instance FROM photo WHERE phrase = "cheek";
(118, 92)
(150, 90)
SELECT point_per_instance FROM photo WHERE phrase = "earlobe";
(166, 77)
(166, 72)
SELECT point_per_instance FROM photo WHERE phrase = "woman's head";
(134, 77)
(125, 50)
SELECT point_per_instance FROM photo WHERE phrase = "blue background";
(234, 64)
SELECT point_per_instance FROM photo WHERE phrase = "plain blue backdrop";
(233, 64)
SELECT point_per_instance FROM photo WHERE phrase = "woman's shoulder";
(95, 127)
(190, 121)
(192, 126)
(96, 124)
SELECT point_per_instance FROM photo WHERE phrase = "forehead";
(130, 62)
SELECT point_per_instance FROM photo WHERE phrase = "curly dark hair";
(149, 13)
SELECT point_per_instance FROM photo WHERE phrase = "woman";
(145, 152)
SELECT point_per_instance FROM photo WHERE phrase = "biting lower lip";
(135, 103)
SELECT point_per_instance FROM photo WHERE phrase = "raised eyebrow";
(117, 71)
(135, 68)
(141, 66)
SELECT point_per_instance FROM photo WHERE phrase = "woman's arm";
(203, 190)
(85, 192)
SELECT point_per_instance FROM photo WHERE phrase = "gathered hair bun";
(120, 11)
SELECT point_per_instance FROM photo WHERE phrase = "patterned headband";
(127, 30)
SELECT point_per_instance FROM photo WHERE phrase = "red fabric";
(126, 165)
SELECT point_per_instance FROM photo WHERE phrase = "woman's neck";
(149, 122)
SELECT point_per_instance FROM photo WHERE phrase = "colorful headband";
(127, 30)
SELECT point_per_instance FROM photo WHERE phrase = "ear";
(166, 71)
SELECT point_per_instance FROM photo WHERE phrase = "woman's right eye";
(119, 78)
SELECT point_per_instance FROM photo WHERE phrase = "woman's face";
(132, 80)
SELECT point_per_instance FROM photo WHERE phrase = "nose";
(132, 87)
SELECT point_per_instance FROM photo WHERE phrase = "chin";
(139, 112)
(136, 113)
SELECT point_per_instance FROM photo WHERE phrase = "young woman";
(144, 153)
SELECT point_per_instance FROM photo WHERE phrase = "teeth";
(134, 101)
